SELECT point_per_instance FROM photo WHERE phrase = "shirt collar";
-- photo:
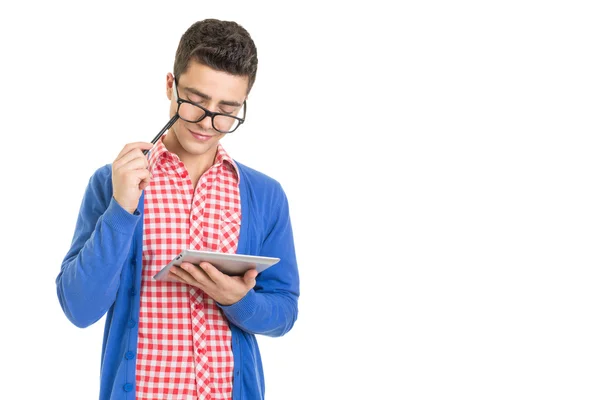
(158, 153)
(224, 159)
(160, 156)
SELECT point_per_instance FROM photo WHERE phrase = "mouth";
(199, 136)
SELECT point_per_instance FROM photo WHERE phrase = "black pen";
(163, 130)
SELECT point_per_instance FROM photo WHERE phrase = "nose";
(206, 123)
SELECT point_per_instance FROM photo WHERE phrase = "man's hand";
(130, 175)
(223, 289)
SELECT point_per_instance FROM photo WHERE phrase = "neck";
(195, 164)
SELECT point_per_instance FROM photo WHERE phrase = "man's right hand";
(130, 175)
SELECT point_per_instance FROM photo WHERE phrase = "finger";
(134, 154)
(135, 177)
(182, 276)
(212, 272)
(196, 272)
(144, 176)
(127, 157)
(144, 184)
(134, 163)
(250, 278)
(172, 277)
(135, 145)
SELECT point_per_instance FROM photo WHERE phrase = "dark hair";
(221, 45)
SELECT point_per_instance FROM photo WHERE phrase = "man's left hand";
(224, 289)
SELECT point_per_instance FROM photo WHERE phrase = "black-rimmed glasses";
(194, 113)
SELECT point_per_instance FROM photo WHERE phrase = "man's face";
(215, 91)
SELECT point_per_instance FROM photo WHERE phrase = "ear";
(169, 87)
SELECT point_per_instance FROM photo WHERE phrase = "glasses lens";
(225, 124)
(190, 112)
(222, 123)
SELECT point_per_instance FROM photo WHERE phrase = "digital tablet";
(230, 264)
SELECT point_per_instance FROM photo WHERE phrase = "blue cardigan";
(101, 275)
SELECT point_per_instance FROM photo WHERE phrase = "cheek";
(173, 109)
(178, 127)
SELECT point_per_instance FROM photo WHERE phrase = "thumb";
(250, 278)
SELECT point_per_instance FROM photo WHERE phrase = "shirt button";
(129, 355)
(128, 387)
(132, 291)
(131, 323)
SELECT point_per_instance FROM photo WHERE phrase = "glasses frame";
(207, 113)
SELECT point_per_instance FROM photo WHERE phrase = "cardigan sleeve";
(271, 307)
(88, 281)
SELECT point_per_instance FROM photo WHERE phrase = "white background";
(441, 161)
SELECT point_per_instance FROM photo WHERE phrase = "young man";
(193, 336)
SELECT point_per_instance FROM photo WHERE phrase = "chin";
(193, 147)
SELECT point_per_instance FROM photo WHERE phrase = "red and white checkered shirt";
(184, 341)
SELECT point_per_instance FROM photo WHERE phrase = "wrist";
(129, 209)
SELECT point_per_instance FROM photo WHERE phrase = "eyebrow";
(207, 97)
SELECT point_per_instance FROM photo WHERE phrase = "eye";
(195, 99)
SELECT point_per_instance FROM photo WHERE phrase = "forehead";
(218, 85)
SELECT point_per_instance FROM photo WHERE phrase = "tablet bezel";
(228, 263)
